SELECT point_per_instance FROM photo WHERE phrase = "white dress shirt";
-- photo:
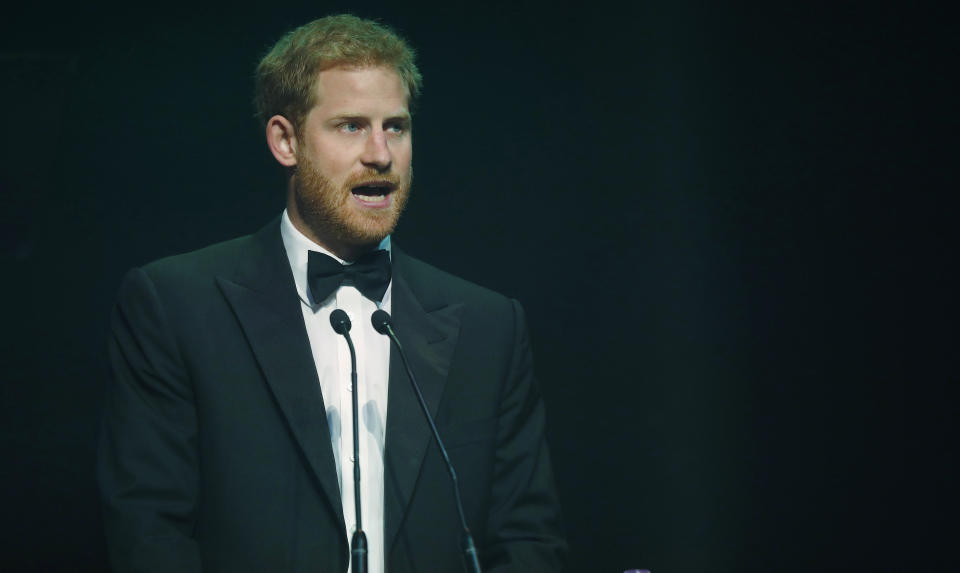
(332, 359)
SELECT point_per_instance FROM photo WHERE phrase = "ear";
(282, 140)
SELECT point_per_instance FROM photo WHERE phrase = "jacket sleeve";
(524, 525)
(147, 468)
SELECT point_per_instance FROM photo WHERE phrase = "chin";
(366, 230)
(366, 226)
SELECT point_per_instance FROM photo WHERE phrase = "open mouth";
(374, 193)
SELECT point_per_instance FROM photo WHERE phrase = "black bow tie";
(370, 274)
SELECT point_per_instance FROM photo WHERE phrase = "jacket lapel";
(264, 297)
(428, 328)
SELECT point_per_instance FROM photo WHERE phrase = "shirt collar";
(298, 246)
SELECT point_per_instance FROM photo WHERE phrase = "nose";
(376, 152)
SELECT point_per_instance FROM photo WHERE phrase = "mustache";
(373, 178)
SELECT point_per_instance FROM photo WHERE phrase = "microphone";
(358, 543)
(383, 324)
(341, 323)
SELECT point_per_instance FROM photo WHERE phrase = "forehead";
(356, 89)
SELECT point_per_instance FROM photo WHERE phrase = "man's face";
(354, 150)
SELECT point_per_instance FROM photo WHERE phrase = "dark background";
(726, 222)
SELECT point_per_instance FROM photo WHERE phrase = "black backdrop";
(722, 218)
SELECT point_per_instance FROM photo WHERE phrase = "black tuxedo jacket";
(215, 451)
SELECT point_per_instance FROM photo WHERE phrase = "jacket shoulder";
(437, 284)
(215, 259)
(481, 307)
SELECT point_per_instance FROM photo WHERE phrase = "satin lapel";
(264, 298)
(428, 331)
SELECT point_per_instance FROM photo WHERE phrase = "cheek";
(334, 166)
(403, 155)
(332, 155)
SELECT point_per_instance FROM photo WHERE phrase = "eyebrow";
(405, 116)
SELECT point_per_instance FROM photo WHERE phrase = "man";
(227, 442)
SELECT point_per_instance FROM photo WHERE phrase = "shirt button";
(353, 459)
(349, 387)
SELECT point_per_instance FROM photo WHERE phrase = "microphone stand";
(382, 323)
(358, 543)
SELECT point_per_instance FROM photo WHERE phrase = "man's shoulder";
(198, 270)
(433, 283)
(211, 259)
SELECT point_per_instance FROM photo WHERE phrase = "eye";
(349, 127)
(397, 128)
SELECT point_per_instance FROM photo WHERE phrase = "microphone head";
(381, 320)
(340, 321)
